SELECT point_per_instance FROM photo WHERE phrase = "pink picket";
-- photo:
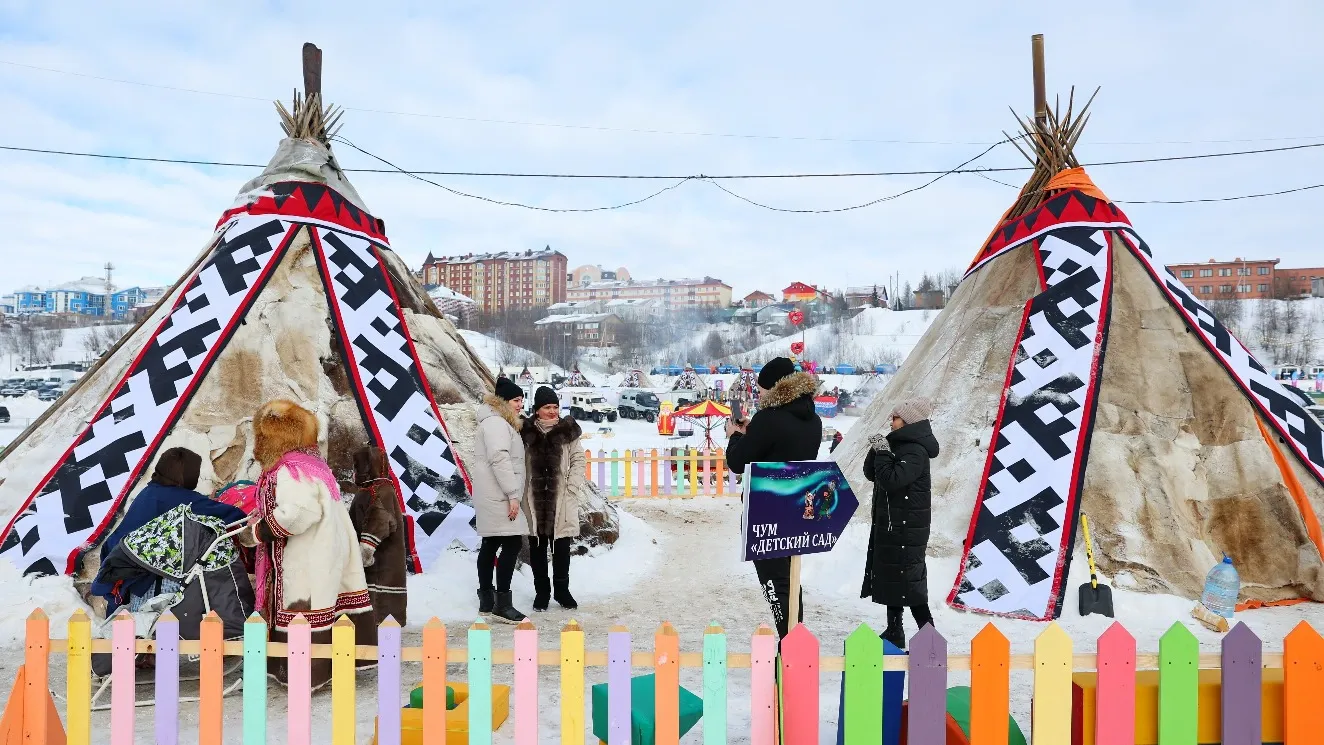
(1115, 703)
(123, 679)
(800, 681)
(299, 701)
(763, 687)
(526, 684)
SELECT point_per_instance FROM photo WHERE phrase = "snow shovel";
(1094, 597)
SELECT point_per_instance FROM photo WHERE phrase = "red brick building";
(1243, 279)
(502, 281)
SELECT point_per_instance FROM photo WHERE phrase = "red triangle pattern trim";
(312, 201)
(1072, 206)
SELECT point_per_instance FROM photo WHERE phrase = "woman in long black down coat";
(895, 572)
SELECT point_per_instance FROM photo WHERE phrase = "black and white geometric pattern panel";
(1298, 428)
(392, 394)
(68, 511)
(1023, 523)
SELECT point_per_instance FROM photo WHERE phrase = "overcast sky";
(801, 87)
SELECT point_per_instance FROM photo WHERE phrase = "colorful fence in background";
(673, 472)
(1114, 697)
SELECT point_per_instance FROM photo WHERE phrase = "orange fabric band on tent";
(1294, 486)
(1074, 178)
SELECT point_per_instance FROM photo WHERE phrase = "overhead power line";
(633, 130)
(674, 177)
(679, 180)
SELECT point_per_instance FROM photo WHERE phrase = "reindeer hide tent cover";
(298, 295)
(1088, 374)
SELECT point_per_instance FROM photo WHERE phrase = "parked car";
(32, 384)
(48, 394)
(13, 391)
(639, 405)
(4, 415)
(592, 406)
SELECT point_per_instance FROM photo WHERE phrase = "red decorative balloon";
(797, 347)
(796, 317)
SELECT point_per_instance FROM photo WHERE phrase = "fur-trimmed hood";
(561, 434)
(789, 389)
(499, 407)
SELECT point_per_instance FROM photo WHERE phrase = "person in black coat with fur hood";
(895, 571)
(785, 428)
(556, 470)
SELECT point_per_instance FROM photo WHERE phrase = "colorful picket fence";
(672, 472)
(1182, 715)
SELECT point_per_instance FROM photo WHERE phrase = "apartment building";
(501, 281)
(1245, 279)
(671, 294)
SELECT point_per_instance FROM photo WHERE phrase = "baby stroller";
(198, 569)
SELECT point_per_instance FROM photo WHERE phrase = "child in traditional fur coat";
(308, 558)
(377, 517)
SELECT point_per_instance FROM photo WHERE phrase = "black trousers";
(775, 579)
(499, 553)
(560, 550)
(921, 613)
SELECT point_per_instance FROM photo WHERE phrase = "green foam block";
(642, 721)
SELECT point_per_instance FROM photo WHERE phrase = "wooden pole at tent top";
(312, 70)
(1040, 86)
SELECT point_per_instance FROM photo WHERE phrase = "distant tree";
(874, 299)
(907, 298)
(927, 283)
(714, 347)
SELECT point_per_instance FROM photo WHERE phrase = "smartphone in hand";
(737, 413)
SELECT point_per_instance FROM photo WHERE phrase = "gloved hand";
(248, 536)
(879, 443)
(368, 554)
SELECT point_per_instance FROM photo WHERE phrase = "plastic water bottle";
(1221, 587)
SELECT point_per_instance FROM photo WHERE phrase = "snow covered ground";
(865, 340)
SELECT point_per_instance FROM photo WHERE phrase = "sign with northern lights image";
(794, 508)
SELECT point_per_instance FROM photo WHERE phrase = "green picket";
(714, 686)
(255, 680)
(1179, 684)
(615, 473)
(863, 682)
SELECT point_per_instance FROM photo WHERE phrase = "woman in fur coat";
(498, 479)
(309, 561)
(556, 460)
(380, 523)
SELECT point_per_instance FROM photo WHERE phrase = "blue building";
(86, 297)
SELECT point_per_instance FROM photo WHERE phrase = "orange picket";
(1303, 684)
(990, 687)
(434, 679)
(666, 686)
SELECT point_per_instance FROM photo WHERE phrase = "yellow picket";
(1051, 718)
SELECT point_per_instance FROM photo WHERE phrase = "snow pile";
(56, 596)
(492, 351)
(876, 335)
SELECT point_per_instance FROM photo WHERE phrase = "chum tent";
(1071, 371)
(297, 294)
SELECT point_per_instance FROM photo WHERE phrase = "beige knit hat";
(913, 410)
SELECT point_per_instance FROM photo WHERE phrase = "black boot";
(486, 600)
(561, 574)
(505, 609)
(542, 586)
(895, 631)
